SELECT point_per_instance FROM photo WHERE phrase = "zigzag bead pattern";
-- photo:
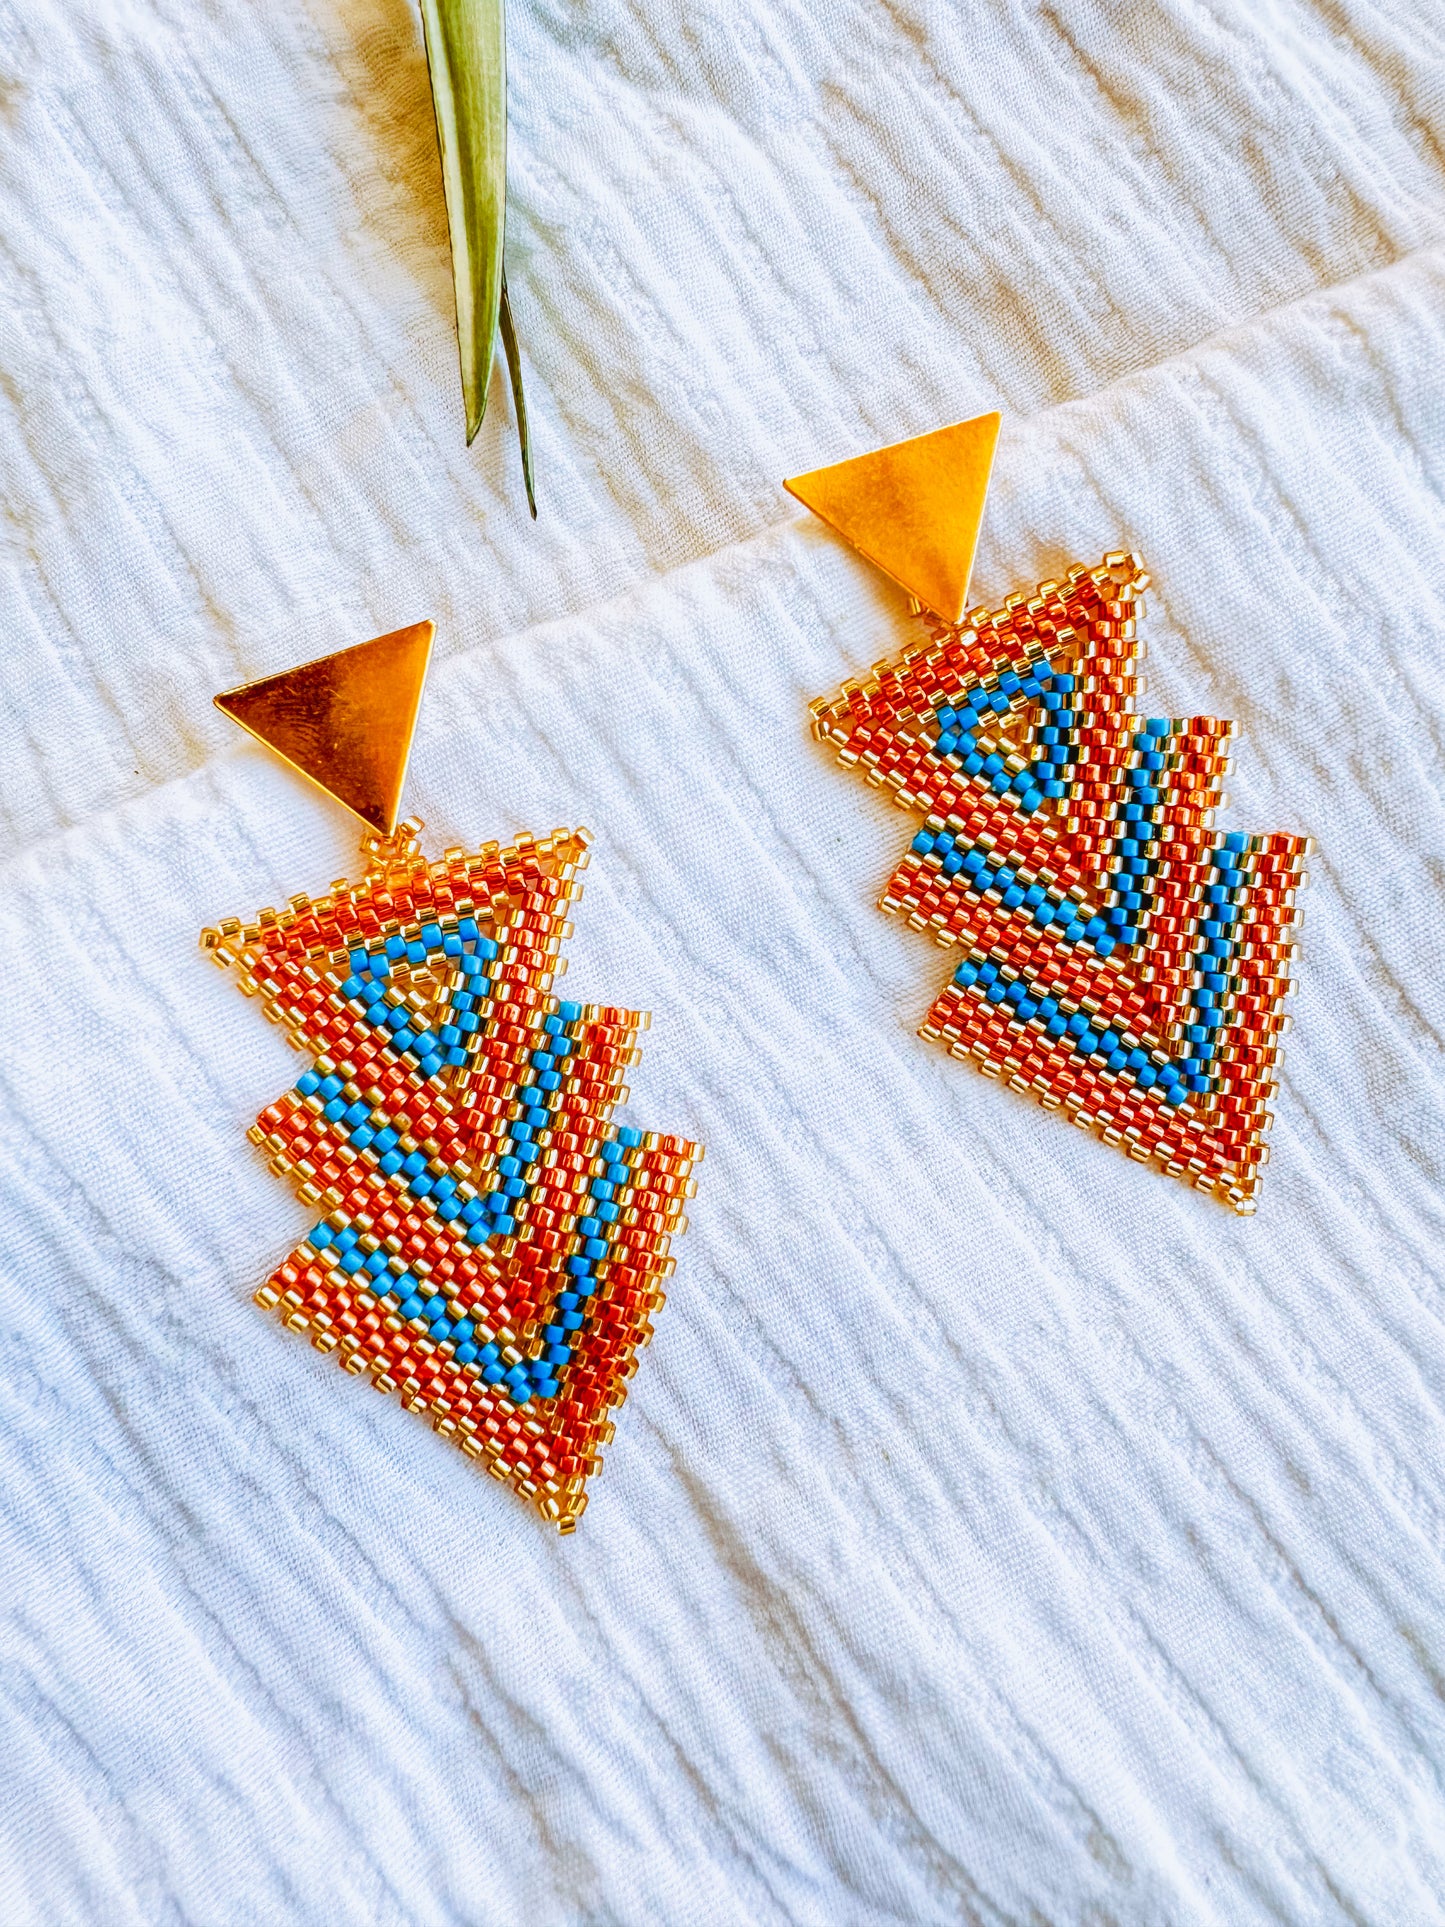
(489, 1245)
(1121, 958)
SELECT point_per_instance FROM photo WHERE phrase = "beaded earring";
(488, 1245)
(1120, 958)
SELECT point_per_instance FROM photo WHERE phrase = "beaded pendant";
(1120, 958)
(488, 1243)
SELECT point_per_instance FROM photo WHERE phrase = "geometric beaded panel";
(488, 1244)
(1118, 956)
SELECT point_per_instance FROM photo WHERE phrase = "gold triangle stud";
(913, 508)
(345, 721)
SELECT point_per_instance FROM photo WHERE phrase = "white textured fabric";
(996, 1531)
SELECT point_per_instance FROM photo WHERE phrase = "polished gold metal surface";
(913, 508)
(346, 720)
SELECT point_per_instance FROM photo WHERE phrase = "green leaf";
(519, 400)
(466, 51)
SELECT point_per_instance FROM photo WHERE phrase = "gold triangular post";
(346, 720)
(913, 508)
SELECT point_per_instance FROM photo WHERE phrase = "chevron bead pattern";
(1120, 957)
(488, 1244)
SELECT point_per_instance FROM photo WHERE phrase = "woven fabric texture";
(995, 1530)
